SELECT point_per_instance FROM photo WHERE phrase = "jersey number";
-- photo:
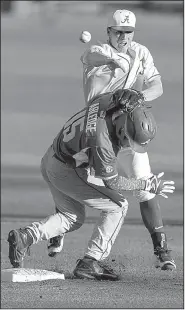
(70, 127)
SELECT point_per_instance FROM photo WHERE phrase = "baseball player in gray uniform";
(121, 63)
(92, 138)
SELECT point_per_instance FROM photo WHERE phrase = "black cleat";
(18, 247)
(88, 268)
(55, 245)
(163, 259)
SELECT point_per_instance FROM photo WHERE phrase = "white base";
(29, 275)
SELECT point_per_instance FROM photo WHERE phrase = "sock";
(29, 237)
(159, 240)
(152, 219)
(151, 215)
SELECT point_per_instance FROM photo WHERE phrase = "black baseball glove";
(128, 99)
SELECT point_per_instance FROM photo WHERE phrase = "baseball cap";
(122, 20)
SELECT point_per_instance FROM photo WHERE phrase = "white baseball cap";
(122, 20)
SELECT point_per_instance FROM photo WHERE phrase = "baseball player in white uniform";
(92, 138)
(121, 63)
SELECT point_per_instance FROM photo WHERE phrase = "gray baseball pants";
(72, 191)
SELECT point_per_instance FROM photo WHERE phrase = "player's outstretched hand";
(158, 186)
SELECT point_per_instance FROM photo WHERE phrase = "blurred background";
(41, 76)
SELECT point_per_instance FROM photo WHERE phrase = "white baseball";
(85, 37)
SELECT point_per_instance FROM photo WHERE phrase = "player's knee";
(120, 206)
(76, 221)
(75, 226)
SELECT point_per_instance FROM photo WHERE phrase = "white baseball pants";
(135, 165)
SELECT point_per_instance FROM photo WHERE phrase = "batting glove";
(157, 186)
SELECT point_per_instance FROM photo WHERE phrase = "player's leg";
(113, 207)
(70, 216)
(54, 225)
(137, 165)
(55, 244)
(113, 211)
(78, 193)
(75, 184)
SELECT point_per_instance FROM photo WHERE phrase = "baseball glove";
(129, 99)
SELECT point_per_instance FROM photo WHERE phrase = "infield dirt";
(142, 286)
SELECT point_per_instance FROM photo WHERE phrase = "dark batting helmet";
(139, 127)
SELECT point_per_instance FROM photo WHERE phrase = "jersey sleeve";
(99, 55)
(104, 163)
(150, 71)
(95, 56)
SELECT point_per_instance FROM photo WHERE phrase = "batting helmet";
(139, 127)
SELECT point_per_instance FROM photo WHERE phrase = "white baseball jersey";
(99, 78)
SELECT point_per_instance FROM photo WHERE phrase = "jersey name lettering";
(92, 118)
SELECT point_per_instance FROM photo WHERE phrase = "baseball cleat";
(163, 259)
(88, 268)
(18, 247)
(55, 245)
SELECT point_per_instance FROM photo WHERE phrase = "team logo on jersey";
(92, 118)
(109, 169)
